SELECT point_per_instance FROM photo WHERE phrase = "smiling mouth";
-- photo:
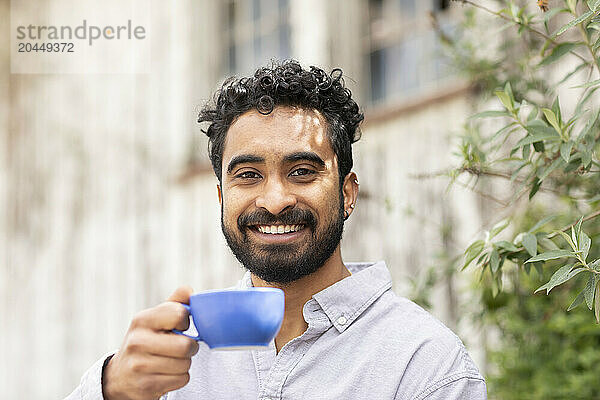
(278, 229)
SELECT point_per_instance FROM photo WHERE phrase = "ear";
(350, 191)
(220, 195)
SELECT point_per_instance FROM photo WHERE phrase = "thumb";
(181, 294)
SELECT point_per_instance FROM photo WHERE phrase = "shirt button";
(342, 320)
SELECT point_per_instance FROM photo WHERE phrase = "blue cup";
(236, 319)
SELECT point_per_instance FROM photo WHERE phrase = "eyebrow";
(243, 159)
(305, 156)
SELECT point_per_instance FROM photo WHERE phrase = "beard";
(285, 263)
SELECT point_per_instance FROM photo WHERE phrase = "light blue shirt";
(362, 342)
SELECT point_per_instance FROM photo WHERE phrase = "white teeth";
(278, 229)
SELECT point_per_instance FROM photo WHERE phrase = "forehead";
(283, 131)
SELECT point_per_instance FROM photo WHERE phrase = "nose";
(275, 197)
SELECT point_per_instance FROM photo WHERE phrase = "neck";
(297, 293)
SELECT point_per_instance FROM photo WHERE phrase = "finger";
(166, 344)
(153, 364)
(156, 385)
(165, 316)
(181, 294)
(183, 323)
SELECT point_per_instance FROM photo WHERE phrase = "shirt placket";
(290, 355)
(263, 361)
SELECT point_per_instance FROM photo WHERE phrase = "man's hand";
(152, 360)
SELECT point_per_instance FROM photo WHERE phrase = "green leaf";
(495, 287)
(508, 246)
(568, 239)
(515, 173)
(491, 113)
(552, 119)
(588, 291)
(541, 223)
(593, 4)
(586, 158)
(561, 276)
(557, 52)
(570, 74)
(509, 92)
(526, 151)
(494, 261)
(532, 114)
(578, 300)
(472, 252)
(537, 138)
(530, 243)
(551, 13)
(547, 243)
(575, 231)
(574, 22)
(597, 304)
(538, 127)
(505, 99)
(546, 171)
(551, 255)
(593, 199)
(499, 227)
(534, 188)
(565, 150)
(588, 84)
(584, 244)
(581, 103)
(569, 125)
(539, 269)
(556, 110)
(596, 45)
(514, 10)
(503, 130)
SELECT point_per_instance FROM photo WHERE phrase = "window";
(256, 31)
(404, 56)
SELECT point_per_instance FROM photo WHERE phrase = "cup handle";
(196, 338)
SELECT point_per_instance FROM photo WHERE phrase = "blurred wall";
(110, 204)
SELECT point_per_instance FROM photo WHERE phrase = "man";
(280, 145)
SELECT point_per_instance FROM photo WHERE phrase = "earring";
(346, 215)
(352, 206)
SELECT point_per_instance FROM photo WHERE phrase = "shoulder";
(429, 354)
(410, 323)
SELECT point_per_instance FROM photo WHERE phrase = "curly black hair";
(285, 84)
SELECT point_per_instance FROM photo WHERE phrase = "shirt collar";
(344, 301)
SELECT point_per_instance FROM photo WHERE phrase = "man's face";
(282, 208)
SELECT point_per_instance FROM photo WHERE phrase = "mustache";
(293, 216)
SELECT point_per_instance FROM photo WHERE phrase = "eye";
(302, 172)
(248, 175)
